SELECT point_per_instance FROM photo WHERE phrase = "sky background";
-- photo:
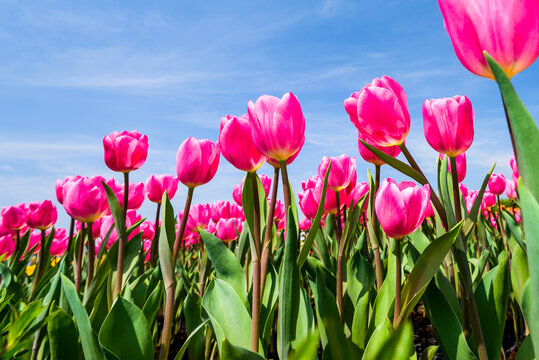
(72, 72)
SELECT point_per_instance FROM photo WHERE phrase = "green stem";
(71, 233)
(398, 281)
(340, 255)
(80, 252)
(499, 221)
(255, 252)
(154, 248)
(122, 239)
(179, 236)
(91, 255)
(286, 188)
(39, 264)
(375, 242)
(266, 249)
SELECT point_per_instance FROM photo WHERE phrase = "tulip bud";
(14, 217)
(342, 172)
(125, 151)
(196, 162)
(156, 185)
(448, 124)
(41, 215)
(85, 199)
(401, 207)
(496, 184)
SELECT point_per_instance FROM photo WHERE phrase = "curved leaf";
(63, 341)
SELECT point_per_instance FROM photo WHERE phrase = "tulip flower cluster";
(249, 277)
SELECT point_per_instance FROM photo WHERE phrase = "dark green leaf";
(233, 352)
(63, 340)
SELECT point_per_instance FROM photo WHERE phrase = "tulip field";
(351, 265)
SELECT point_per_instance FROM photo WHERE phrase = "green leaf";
(229, 317)
(526, 350)
(288, 290)
(523, 130)
(63, 340)
(153, 303)
(425, 268)
(514, 229)
(116, 210)
(381, 335)
(446, 324)
(360, 277)
(307, 349)
(226, 265)
(195, 332)
(125, 332)
(233, 352)
(474, 211)
(27, 320)
(429, 353)
(88, 339)
(308, 244)
(193, 319)
(400, 345)
(530, 216)
(519, 273)
(491, 297)
(165, 238)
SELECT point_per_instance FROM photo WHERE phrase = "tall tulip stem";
(398, 281)
(499, 221)
(17, 245)
(155, 240)
(286, 188)
(123, 239)
(39, 264)
(338, 233)
(375, 239)
(183, 224)
(255, 252)
(71, 233)
(266, 249)
(91, 255)
(456, 192)
(80, 252)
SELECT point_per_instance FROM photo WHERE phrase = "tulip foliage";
(355, 266)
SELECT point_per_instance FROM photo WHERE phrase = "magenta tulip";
(59, 187)
(5, 231)
(510, 190)
(277, 126)
(382, 112)
(125, 151)
(108, 223)
(41, 215)
(342, 172)
(148, 230)
(236, 144)
(463, 188)
(506, 29)
(369, 157)
(156, 185)
(85, 199)
(489, 200)
(275, 163)
(59, 242)
(308, 203)
(196, 162)
(14, 217)
(7, 246)
(496, 184)
(448, 124)
(136, 196)
(401, 207)
(279, 213)
(96, 228)
(514, 171)
(310, 183)
(330, 205)
(237, 193)
(228, 229)
(199, 217)
(305, 225)
(359, 190)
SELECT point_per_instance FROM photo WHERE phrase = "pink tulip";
(462, 187)
(7, 246)
(14, 217)
(125, 151)
(5, 231)
(493, 222)
(506, 29)
(517, 216)
(277, 126)
(156, 185)
(266, 183)
(357, 193)
(510, 190)
(369, 157)
(236, 144)
(448, 124)
(237, 193)
(199, 217)
(108, 223)
(135, 196)
(382, 112)
(401, 207)
(430, 211)
(330, 205)
(469, 200)
(221, 209)
(34, 242)
(310, 183)
(196, 162)
(59, 243)
(238, 189)
(59, 187)
(148, 230)
(342, 172)
(514, 170)
(308, 203)
(460, 162)
(146, 246)
(305, 225)
(496, 184)
(85, 199)
(489, 200)
(279, 213)
(41, 215)
(228, 229)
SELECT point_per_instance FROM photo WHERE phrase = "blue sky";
(72, 72)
